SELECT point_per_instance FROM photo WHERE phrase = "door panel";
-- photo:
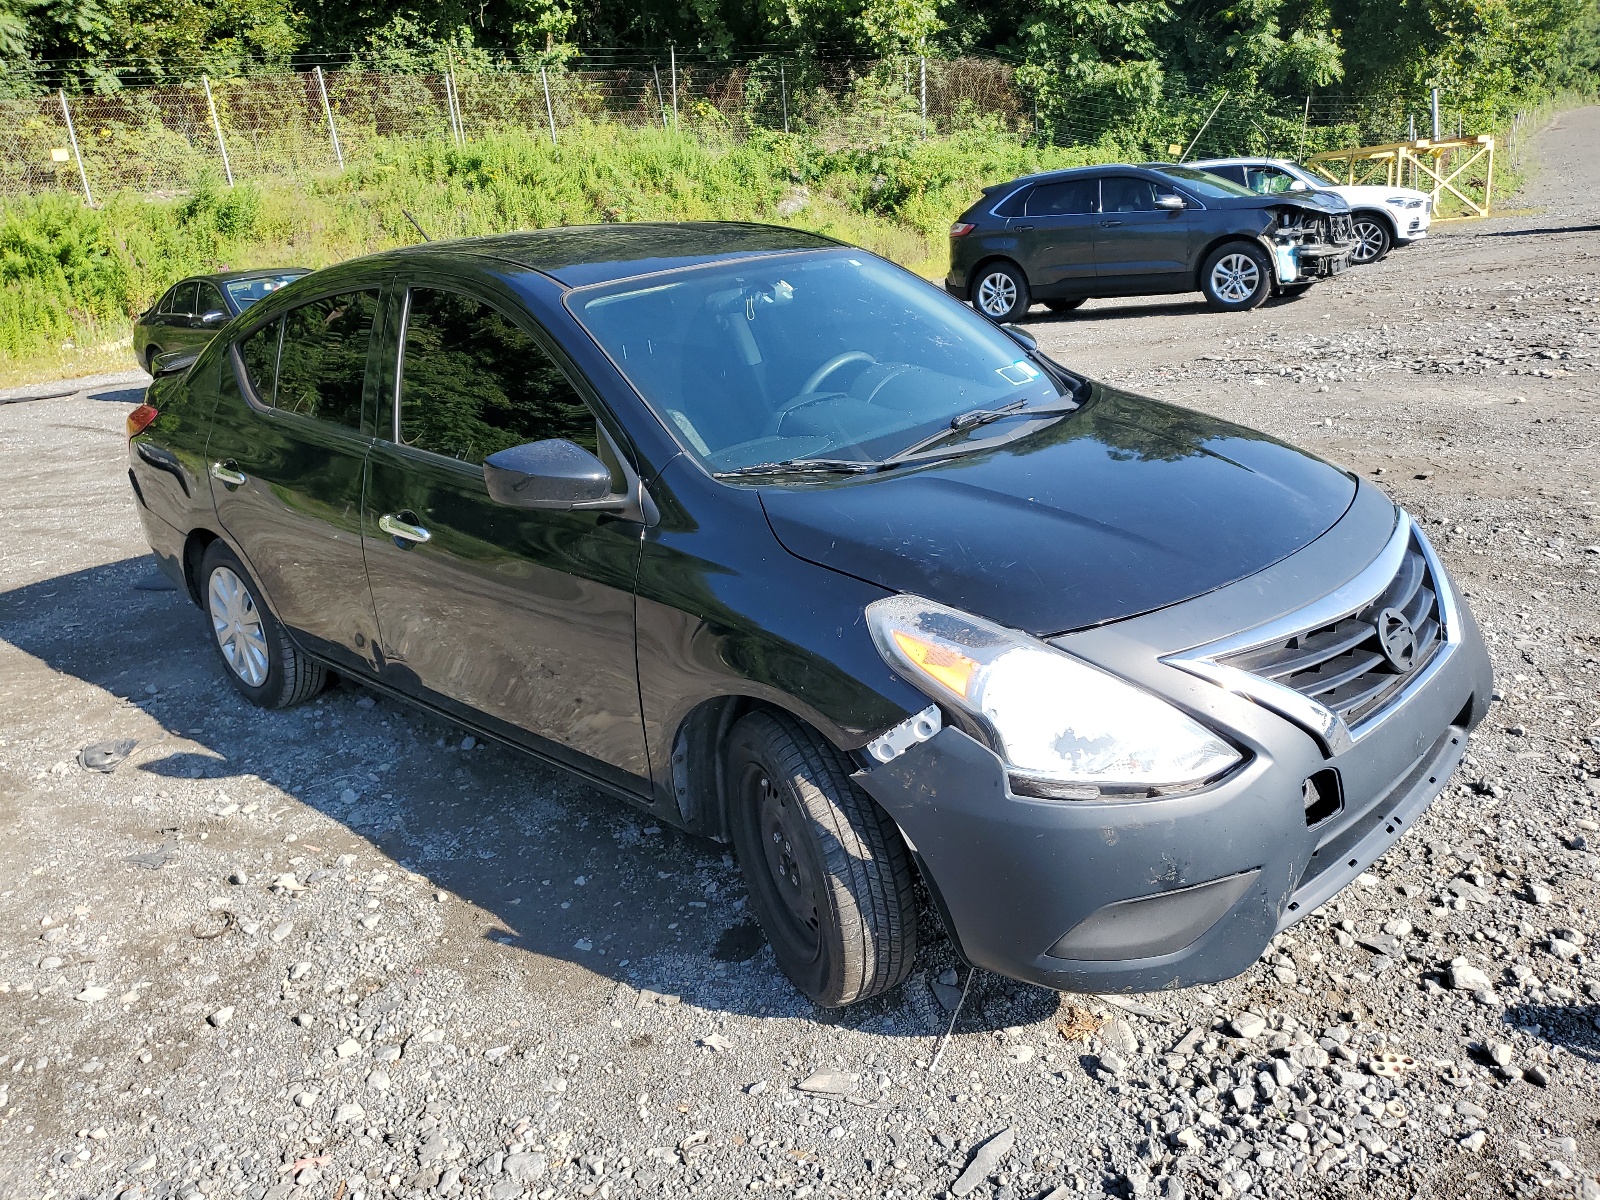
(525, 616)
(1136, 238)
(1057, 233)
(301, 449)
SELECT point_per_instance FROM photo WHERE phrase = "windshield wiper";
(980, 416)
(803, 465)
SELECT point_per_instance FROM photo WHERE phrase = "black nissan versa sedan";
(779, 542)
(1067, 236)
(191, 311)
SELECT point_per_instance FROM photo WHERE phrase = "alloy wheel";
(237, 624)
(997, 293)
(1235, 278)
(1369, 242)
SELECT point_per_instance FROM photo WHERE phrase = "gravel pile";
(346, 951)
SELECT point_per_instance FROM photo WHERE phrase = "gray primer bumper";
(1014, 875)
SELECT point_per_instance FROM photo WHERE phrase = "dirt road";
(344, 951)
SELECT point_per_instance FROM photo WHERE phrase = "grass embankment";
(75, 277)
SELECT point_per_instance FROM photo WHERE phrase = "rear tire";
(1236, 277)
(829, 877)
(266, 667)
(1373, 239)
(1062, 307)
(1293, 291)
(1001, 292)
(150, 357)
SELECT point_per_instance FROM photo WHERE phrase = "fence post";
(216, 123)
(672, 51)
(549, 108)
(1435, 106)
(923, 89)
(72, 135)
(783, 88)
(661, 102)
(1305, 127)
(327, 111)
(456, 135)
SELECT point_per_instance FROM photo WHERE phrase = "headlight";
(1065, 729)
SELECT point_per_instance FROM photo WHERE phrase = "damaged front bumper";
(1140, 895)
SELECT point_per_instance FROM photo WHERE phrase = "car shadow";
(1570, 1026)
(561, 870)
(1538, 232)
(121, 395)
(1161, 308)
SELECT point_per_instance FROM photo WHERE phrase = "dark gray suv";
(1065, 237)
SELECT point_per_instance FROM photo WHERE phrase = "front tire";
(256, 653)
(1001, 292)
(1236, 277)
(1373, 239)
(829, 876)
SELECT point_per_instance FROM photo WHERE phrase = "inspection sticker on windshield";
(1020, 371)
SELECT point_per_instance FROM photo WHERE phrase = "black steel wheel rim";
(782, 828)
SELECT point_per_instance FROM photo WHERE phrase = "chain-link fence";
(160, 139)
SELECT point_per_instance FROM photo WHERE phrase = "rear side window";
(1123, 193)
(472, 382)
(322, 364)
(168, 301)
(259, 353)
(1068, 198)
(1232, 174)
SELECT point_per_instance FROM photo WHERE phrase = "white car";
(1383, 216)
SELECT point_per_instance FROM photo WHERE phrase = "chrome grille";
(1342, 665)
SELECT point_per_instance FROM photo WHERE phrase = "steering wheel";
(814, 381)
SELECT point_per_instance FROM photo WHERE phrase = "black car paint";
(1145, 253)
(695, 584)
(156, 333)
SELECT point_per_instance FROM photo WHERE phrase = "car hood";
(1317, 202)
(1126, 506)
(1361, 193)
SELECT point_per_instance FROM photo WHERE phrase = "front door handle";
(228, 474)
(1021, 228)
(1109, 224)
(402, 531)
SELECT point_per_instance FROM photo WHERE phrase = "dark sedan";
(783, 545)
(191, 311)
(1068, 236)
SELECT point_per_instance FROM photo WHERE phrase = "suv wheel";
(260, 659)
(1001, 292)
(829, 876)
(1236, 277)
(1373, 239)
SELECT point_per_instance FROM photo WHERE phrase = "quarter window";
(259, 353)
(167, 301)
(473, 383)
(323, 363)
(1123, 193)
(1069, 198)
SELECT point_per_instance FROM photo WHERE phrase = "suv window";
(259, 352)
(1267, 180)
(1124, 193)
(1070, 197)
(472, 382)
(1233, 174)
(323, 363)
(210, 300)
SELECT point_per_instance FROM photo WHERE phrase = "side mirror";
(554, 474)
(1171, 202)
(1022, 335)
(215, 317)
(173, 362)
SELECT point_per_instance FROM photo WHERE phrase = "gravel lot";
(343, 951)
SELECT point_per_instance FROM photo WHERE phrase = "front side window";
(259, 353)
(1267, 181)
(323, 363)
(835, 354)
(1126, 194)
(473, 383)
(210, 300)
(1071, 197)
(1205, 184)
(183, 297)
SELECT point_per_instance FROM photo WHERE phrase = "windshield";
(1205, 184)
(245, 292)
(835, 354)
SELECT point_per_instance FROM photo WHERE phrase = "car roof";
(254, 273)
(1241, 162)
(1066, 173)
(578, 255)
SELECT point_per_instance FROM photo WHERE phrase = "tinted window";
(472, 383)
(245, 292)
(168, 300)
(1231, 174)
(1123, 193)
(259, 352)
(210, 300)
(322, 366)
(1071, 197)
(1204, 183)
(183, 299)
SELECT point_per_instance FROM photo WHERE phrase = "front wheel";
(1236, 277)
(259, 657)
(1001, 292)
(1373, 239)
(828, 874)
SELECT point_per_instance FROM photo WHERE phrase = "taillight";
(961, 229)
(140, 418)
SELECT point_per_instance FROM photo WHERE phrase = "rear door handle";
(228, 474)
(1109, 224)
(402, 530)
